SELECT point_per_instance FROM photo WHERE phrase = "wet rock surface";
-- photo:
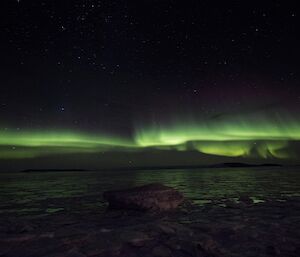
(270, 228)
(151, 197)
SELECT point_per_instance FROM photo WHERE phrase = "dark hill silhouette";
(219, 165)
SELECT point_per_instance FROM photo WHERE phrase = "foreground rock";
(152, 197)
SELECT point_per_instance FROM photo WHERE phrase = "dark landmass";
(52, 170)
(240, 164)
(220, 165)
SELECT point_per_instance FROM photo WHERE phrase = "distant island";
(219, 165)
(240, 164)
(52, 170)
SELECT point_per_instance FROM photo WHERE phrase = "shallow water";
(45, 193)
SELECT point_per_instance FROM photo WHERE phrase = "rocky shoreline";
(270, 228)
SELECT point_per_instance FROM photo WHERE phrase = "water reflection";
(48, 193)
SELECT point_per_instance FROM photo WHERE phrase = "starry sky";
(93, 84)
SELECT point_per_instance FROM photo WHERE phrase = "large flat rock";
(154, 197)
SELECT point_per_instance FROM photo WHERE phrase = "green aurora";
(256, 136)
(18, 145)
(239, 137)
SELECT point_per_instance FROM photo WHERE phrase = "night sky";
(93, 84)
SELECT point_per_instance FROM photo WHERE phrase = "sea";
(46, 193)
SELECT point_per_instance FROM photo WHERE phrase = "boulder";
(151, 197)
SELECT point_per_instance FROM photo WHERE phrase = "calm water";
(51, 192)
